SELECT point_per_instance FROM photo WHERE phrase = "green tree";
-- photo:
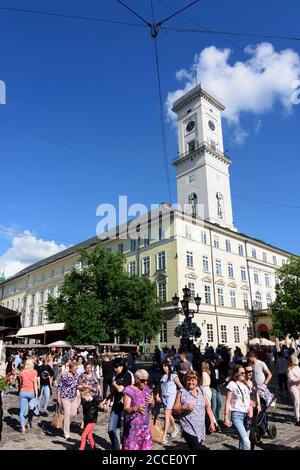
(285, 309)
(102, 299)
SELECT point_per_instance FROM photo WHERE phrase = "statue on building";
(220, 204)
(193, 203)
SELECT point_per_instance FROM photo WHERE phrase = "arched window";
(193, 203)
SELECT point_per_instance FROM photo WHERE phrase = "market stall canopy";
(261, 342)
(59, 344)
(40, 329)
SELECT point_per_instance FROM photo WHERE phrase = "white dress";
(206, 385)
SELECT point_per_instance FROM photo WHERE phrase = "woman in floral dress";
(137, 403)
(191, 403)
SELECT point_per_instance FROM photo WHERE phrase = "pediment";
(220, 282)
(161, 277)
(232, 284)
(245, 287)
(191, 276)
(207, 279)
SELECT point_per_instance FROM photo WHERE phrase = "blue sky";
(93, 87)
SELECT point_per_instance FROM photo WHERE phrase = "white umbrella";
(266, 342)
(254, 341)
(59, 344)
(277, 344)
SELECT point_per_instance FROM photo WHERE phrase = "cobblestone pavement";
(43, 437)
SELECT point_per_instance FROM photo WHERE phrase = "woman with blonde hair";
(205, 380)
(191, 403)
(137, 403)
(28, 389)
(293, 375)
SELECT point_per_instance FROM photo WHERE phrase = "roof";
(197, 90)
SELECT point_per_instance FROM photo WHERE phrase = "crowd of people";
(186, 384)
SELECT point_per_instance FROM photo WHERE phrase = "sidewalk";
(43, 437)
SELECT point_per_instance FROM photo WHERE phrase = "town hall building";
(196, 244)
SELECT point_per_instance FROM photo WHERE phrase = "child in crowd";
(90, 415)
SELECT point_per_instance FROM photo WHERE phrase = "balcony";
(204, 146)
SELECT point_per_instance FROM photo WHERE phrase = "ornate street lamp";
(187, 329)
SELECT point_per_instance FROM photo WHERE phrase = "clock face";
(211, 125)
(190, 126)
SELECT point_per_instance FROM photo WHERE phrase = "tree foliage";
(286, 308)
(102, 299)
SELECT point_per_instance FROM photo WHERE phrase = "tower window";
(191, 146)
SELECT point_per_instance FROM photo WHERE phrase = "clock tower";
(202, 168)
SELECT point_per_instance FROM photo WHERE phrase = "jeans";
(45, 390)
(115, 421)
(25, 398)
(216, 403)
(239, 421)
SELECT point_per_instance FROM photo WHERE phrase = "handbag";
(156, 429)
(58, 418)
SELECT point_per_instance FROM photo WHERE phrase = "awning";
(40, 329)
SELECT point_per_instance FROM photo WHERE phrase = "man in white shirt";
(262, 376)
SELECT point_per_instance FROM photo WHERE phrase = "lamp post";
(187, 329)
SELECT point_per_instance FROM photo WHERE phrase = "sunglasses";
(249, 371)
(242, 373)
(143, 381)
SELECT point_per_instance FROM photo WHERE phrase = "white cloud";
(253, 86)
(26, 249)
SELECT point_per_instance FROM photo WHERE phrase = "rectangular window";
(163, 333)
(207, 294)
(161, 260)
(243, 273)
(253, 253)
(146, 265)
(274, 260)
(256, 277)
(205, 264)
(191, 286)
(223, 334)
(269, 299)
(188, 232)
(249, 334)
(230, 270)
(162, 291)
(210, 333)
(189, 259)
(267, 280)
(236, 334)
(228, 245)
(146, 241)
(132, 267)
(264, 256)
(233, 298)
(218, 267)
(132, 245)
(241, 250)
(283, 262)
(120, 247)
(221, 296)
(216, 241)
(204, 237)
(246, 302)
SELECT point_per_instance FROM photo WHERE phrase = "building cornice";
(193, 95)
